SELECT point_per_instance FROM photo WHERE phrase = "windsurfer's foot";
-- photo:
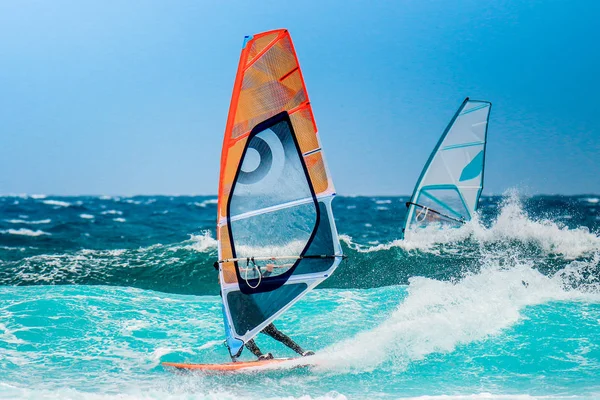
(308, 353)
(267, 356)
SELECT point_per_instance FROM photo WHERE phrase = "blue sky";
(131, 97)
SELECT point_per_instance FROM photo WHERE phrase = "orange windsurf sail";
(275, 228)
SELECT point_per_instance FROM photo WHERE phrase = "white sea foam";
(56, 203)
(86, 216)
(206, 203)
(512, 224)
(119, 219)
(383, 202)
(593, 200)
(25, 232)
(21, 221)
(490, 396)
(38, 196)
(437, 316)
(8, 336)
(202, 243)
(13, 248)
(112, 212)
(186, 391)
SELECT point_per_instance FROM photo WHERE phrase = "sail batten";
(448, 190)
(275, 228)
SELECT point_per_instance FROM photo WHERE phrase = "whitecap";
(112, 212)
(130, 201)
(25, 232)
(206, 203)
(20, 221)
(119, 219)
(56, 203)
(86, 216)
(202, 243)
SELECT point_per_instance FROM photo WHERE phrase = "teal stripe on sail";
(473, 169)
(458, 146)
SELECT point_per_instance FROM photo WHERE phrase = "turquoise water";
(507, 307)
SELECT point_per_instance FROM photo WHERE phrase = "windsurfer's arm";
(268, 270)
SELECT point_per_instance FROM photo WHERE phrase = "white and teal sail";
(448, 190)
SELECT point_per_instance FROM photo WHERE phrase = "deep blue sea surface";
(95, 292)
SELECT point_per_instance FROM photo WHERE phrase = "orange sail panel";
(276, 233)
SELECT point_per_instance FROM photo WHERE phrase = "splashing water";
(507, 306)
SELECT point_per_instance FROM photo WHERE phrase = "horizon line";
(109, 196)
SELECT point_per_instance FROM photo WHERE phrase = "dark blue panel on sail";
(250, 310)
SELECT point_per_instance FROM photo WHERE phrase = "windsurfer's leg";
(251, 345)
(285, 339)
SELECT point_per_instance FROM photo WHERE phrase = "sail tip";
(247, 38)
(479, 101)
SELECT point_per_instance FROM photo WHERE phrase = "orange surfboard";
(229, 367)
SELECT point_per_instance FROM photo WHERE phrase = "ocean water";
(96, 292)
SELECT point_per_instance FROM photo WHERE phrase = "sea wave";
(437, 316)
(161, 267)
(206, 203)
(112, 212)
(23, 221)
(56, 203)
(512, 226)
(25, 232)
